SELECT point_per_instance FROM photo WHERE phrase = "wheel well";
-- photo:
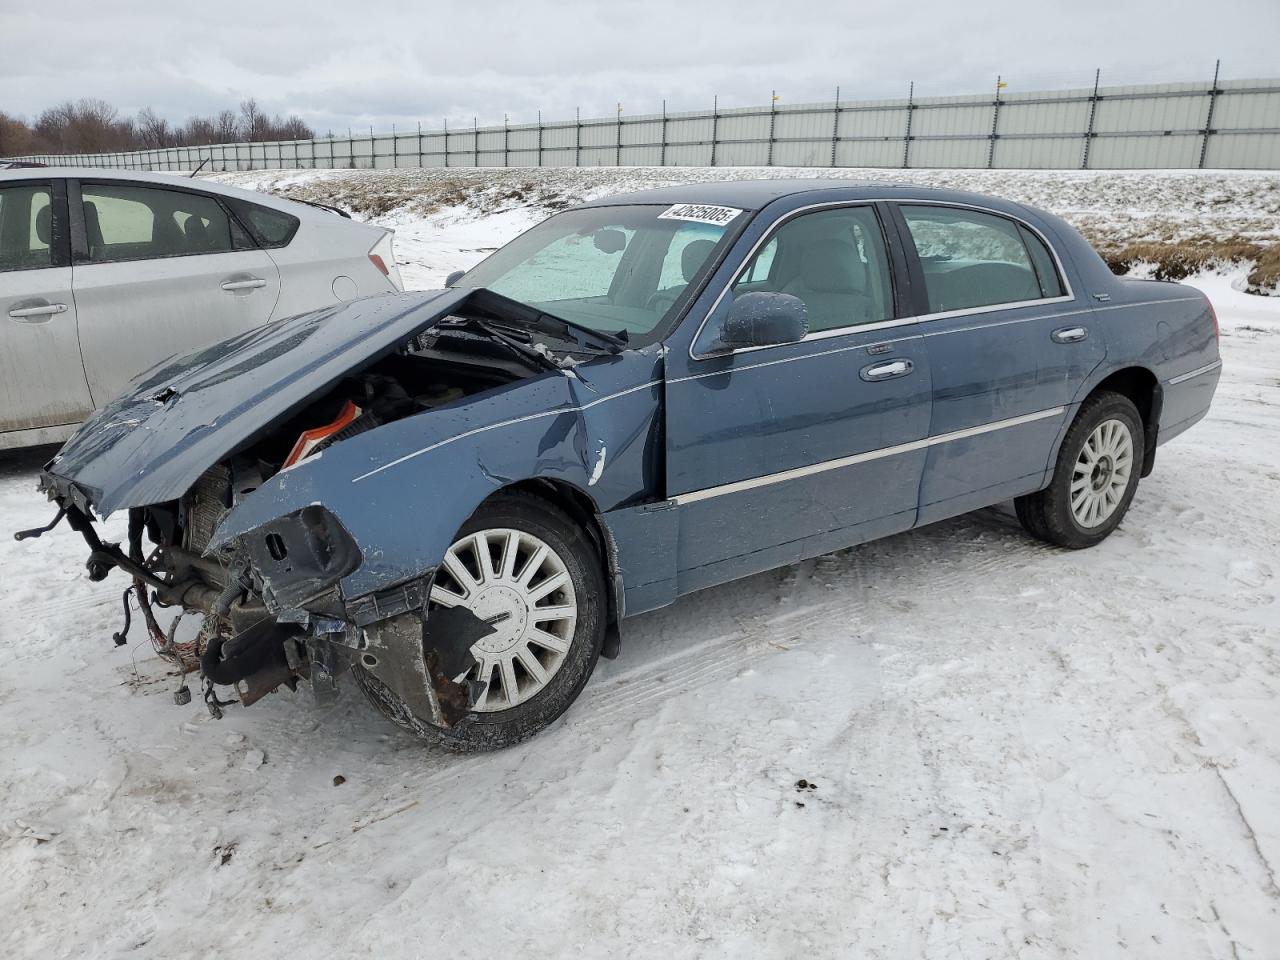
(1141, 386)
(582, 510)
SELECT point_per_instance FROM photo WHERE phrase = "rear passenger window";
(973, 259)
(26, 227)
(835, 261)
(142, 223)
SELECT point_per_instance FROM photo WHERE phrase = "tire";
(495, 722)
(1109, 425)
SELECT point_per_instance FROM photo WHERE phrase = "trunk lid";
(178, 419)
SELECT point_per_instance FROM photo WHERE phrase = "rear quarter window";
(270, 228)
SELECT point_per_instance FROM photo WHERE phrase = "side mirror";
(454, 277)
(763, 320)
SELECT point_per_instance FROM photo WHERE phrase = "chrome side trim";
(505, 423)
(884, 324)
(771, 363)
(794, 474)
(913, 336)
(1199, 371)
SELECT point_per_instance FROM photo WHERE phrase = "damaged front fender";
(401, 492)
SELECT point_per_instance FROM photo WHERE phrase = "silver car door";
(160, 271)
(42, 382)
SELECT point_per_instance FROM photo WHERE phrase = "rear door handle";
(39, 313)
(1069, 335)
(886, 371)
(253, 283)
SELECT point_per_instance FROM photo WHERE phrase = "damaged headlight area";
(299, 559)
(270, 607)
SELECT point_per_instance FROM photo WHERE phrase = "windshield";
(612, 269)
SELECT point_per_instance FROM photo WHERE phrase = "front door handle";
(1069, 335)
(887, 370)
(252, 283)
(37, 313)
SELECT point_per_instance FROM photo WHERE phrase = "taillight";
(1213, 315)
(382, 257)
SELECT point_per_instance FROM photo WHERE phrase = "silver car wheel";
(521, 587)
(1102, 472)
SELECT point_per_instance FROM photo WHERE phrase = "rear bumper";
(1187, 398)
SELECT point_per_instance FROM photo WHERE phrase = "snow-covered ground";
(1015, 751)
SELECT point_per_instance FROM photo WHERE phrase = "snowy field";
(1015, 751)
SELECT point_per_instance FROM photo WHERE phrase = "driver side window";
(834, 260)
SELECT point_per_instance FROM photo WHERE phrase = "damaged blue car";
(455, 497)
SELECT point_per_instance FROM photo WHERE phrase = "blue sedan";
(457, 496)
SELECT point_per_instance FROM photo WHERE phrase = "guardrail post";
(1093, 112)
(773, 113)
(506, 132)
(715, 125)
(577, 137)
(662, 150)
(906, 138)
(539, 138)
(1208, 120)
(617, 150)
(995, 124)
(446, 141)
(835, 126)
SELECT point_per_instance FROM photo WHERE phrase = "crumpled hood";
(178, 419)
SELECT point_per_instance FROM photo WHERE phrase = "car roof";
(756, 194)
(177, 179)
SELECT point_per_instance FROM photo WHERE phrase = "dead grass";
(1168, 227)
(1177, 261)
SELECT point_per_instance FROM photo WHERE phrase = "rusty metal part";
(255, 657)
(418, 662)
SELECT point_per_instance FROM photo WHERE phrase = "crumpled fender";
(403, 490)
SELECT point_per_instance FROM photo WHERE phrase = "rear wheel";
(1094, 479)
(524, 567)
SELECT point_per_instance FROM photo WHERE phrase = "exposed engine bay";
(255, 635)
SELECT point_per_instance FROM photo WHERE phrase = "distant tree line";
(90, 125)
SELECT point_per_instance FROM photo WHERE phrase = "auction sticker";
(700, 213)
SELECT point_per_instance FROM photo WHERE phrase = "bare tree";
(200, 132)
(153, 130)
(226, 126)
(17, 139)
(254, 125)
(94, 126)
(293, 129)
(88, 125)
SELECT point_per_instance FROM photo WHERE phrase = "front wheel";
(524, 567)
(1094, 479)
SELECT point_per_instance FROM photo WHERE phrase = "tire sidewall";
(1109, 406)
(488, 730)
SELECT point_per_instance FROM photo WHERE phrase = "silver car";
(103, 274)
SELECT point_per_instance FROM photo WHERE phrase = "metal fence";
(1228, 124)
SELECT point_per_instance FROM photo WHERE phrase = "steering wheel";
(660, 302)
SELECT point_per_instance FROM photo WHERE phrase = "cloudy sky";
(338, 64)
